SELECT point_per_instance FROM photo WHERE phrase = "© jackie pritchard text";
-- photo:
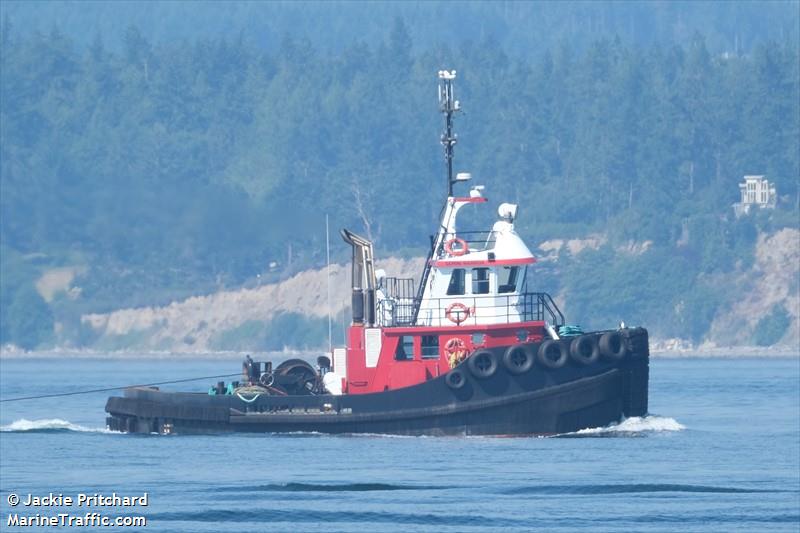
(81, 500)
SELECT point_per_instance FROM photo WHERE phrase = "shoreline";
(726, 352)
(131, 355)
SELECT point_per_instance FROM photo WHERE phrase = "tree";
(30, 320)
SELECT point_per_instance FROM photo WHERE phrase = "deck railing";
(476, 241)
(469, 310)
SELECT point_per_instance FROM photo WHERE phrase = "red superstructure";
(403, 361)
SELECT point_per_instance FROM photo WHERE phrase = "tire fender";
(455, 379)
(518, 359)
(613, 346)
(584, 350)
(552, 354)
(482, 364)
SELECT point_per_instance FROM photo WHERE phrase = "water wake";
(633, 426)
(586, 490)
(48, 425)
(314, 487)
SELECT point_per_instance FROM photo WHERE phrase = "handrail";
(484, 309)
(553, 315)
(476, 240)
(424, 280)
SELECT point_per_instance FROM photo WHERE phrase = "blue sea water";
(720, 452)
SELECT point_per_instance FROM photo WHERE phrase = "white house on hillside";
(756, 191)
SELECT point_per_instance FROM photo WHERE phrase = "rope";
(251, 400)
(108, 389)
(570, 331)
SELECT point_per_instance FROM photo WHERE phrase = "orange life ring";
(456, 350)
(460, 311)
(462, 249)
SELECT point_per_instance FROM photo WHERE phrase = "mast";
(328, 275)
(448, 105)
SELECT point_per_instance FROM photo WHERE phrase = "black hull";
(540, 401)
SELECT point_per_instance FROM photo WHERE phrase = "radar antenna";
(448, 105)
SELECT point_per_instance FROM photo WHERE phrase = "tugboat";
(465, 351)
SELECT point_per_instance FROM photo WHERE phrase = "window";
(456, 287)
(480, 281)
(507, 279)
(405, 348)
(430, 346)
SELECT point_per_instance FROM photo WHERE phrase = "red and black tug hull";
(538, 400)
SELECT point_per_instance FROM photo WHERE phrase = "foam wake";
(633, 426)
(48, 425)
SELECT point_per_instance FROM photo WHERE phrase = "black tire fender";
(518, 359)
(613, 346)
(584, 350)
(455, 379)
(552, 354)
(482, 364)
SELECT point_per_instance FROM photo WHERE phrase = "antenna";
(328, 275)
(448, 105)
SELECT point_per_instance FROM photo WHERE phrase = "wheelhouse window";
(430, 346)
(456, 286)
(405, 348)
(507, 279)
(480, 281)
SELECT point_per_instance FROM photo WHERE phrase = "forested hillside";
(521, 29)
(165, 167)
